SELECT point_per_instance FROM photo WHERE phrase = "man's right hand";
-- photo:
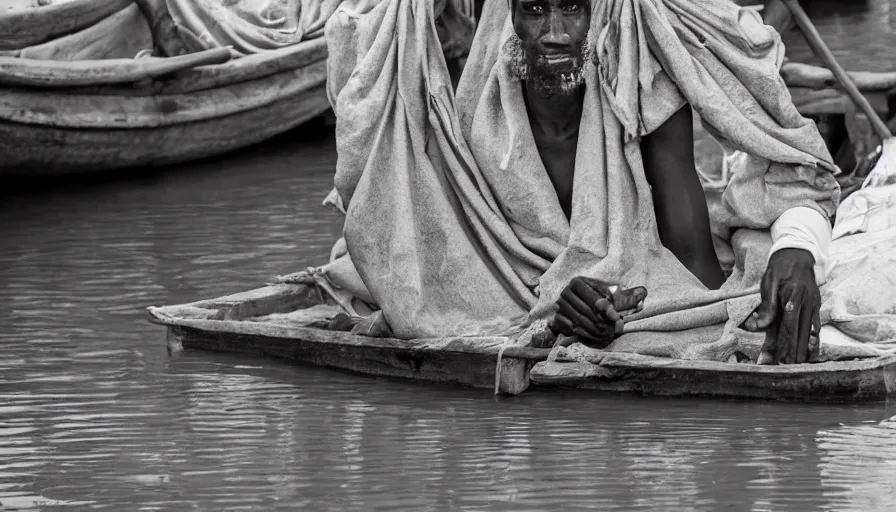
(589, 309)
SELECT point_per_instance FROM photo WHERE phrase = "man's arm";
(791, 301)
(682, 216)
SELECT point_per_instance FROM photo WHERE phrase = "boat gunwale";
(159, 110)
(121, 76)
(39, 151)
(221, 320)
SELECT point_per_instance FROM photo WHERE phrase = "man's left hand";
(789, 312)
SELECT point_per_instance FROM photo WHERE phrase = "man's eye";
(534, 9)
(571, 9)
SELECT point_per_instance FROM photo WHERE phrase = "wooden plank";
(465, 368)
(29, 25)
(204, 325)
(250, 67)
(242, 69)
(487, 345)
(32, 150)
(816, 77)
(470, 361)
(23, 72)
(844, 381)
(110, 112)
(832, 101)
(277, 298)
(197, 78)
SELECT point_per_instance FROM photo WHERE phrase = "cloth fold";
(453, 228)
(251, 26)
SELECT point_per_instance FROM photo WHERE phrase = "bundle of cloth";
(251, 26)
(452, 227)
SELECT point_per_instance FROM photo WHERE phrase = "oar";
(824, 53)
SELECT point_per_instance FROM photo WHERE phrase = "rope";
(499, 366)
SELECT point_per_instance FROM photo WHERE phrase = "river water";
(94, 414)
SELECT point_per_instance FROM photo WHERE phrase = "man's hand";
(789, 312)
(590, 310)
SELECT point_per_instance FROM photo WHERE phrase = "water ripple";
(94, 415)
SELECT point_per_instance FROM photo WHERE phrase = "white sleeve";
(804, 228)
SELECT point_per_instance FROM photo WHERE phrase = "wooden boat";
(63, 113)
(272, 322)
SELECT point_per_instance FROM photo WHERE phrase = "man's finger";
(805, 330)
(561, 325)
(769, 351)
(574, 309)
(815, 337)
(767, 312)
(585, 292)
(602, 288)
(613, 322)
(589, 320)
(629, 299)
(605, 310)
(788, 329)
(591, 340)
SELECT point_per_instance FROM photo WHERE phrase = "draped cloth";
(452, 226)
(251, 26)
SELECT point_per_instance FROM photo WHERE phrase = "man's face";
(552, 39)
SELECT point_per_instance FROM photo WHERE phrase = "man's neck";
(554, 115)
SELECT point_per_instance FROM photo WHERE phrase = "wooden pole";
(824, 53)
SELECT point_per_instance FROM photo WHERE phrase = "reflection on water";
(95, 414)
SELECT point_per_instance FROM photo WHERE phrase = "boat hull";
(59, 118)
(236, 324)
(869, 380)
(30, 150)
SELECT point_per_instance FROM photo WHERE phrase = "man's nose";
(556, 33)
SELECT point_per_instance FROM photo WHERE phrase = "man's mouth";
(557, 59)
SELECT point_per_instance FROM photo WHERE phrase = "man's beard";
(526, 64)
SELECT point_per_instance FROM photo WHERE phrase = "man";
(408, 178)
(553, 42)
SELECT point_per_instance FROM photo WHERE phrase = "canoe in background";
(61, 114)
(273, 321)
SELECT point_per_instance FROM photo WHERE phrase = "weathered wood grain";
(276, 298)
(33, 150)
(832, 101)
(425, 363)
(816, 77)
(842, 381)
(468, 361)
(200, 78)
(23, 72)
(110, 112)
(204, 325)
